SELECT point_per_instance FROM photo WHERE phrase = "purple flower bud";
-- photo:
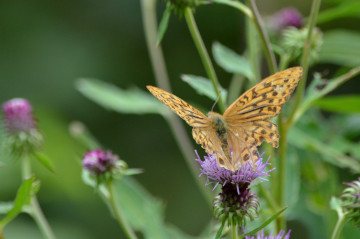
(18, 116)
(285, 18)
(99, 161)
(261, 235)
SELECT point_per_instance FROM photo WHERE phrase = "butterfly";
(235, 135)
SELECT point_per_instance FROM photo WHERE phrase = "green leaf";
(293, 179)
(44, 160)
(335, 156)
(313, 94)
(131, 101)
(143, 212)
(267, 222)
(219, 232)
(335, 203)
(203, 86)
(340, 104)
(341, 47)
(347, 9)
(164, 24)
(23, 198)
(231, 61)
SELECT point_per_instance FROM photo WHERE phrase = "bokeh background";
(46, 45)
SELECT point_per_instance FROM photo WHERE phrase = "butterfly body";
(235, 135)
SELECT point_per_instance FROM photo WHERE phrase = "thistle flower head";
(20, 125)
(351, 201)
(287, 17)
(261, 235)
(18, 116)
(99, 161)
(293, 41)
(236, 202)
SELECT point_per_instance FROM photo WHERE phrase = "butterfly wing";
(247, 118)
(192, 116)
(207, 138)
(265, 99)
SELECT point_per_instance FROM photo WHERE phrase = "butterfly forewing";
(265, 99)
(188, 113)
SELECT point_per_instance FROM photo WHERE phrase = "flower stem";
(269, 54)
(234, 232)
(36, 211)
(194, 31)
(281, 220)
(305, 60)
(118, 213)
(338, 227)
(162, 79)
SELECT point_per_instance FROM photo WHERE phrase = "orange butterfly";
(245, 123)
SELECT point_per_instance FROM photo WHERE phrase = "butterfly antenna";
(217, 99)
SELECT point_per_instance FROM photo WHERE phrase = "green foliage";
(203, 86)
(131, 101)
(164, 23)
(267, 222)
(231, 61)
(346, 9)
(341, 47)
(340, 104)
(44, 160)
(28, 189)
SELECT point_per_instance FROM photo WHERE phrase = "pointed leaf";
(340, 104)
(203, 86)
(44, 160)
(341, 47)
(347, 9)
(164, 24)
(267, 222)
(131, 101)
(219, 232)
(23, 198)
(231, 61)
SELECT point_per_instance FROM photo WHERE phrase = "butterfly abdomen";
(219, 125)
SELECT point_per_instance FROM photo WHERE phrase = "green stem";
(36, 211)
(281, 180)
(253, 49)
(238, 5)
(339, 227)
(118, 213)
(234, 232)
(305, 60)
(162, 80)
(209, 68)
(269, 54)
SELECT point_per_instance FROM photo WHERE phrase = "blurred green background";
(46, 45)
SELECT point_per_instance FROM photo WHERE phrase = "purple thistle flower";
(99, 161)
(23, 135)
(244, 174)
(261, 235)
(286, 17)
(236, 202)
(18, 116)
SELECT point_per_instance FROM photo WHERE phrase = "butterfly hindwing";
(206, 137)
